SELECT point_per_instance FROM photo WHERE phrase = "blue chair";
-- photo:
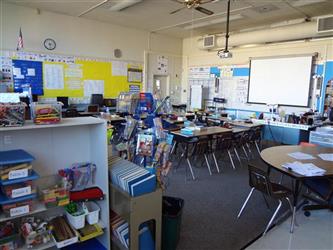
(322, 188)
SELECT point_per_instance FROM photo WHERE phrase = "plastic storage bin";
(18, 189)
(93, 212)
(77, 222)
(46, 113)
(17, 208)
(171, 222)
(12, 114)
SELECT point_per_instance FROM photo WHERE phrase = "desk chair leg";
(246, 155)
(257, 146)
(245, 203)
(237, 155)
(265, 199)
(232, 162)
(273, 217)
(249, 149)
(208, 166)
(191, 169)
(217, 165)
(291, 209)
(173, 147)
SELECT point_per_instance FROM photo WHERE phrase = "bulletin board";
(28, 72)
(77, 77)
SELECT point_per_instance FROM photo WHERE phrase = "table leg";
(295, 194)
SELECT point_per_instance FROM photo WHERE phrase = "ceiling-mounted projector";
(224, 54)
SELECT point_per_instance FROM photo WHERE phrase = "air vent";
(209, 41)
(325, 24)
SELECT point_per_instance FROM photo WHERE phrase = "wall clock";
(50, 44)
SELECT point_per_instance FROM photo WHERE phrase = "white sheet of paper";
(53, 76)
(31, 72)
(326, 157)
(93, 87)
(119, 68)
(74, 70)
(306, 169)
(301, 156)
(74, 84)
(16, 71)
(10, 97)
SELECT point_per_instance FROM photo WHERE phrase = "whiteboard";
(283, 81)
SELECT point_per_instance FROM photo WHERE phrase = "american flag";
(20, 41)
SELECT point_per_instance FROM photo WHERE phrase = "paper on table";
(326, 157)
(306, 169)
(301, 156)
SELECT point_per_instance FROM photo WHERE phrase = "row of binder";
(130, 177)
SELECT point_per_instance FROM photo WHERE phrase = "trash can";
(171, 222)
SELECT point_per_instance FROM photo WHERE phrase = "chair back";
(259, 180)
(201, 147)
(222, 142)
(93, 108)
(71, 113)
(257, 134)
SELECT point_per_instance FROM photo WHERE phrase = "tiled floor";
(314, 232)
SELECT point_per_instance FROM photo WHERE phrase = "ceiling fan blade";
(175, 11)
(204, 10)
(177, 1)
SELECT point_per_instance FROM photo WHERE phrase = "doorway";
(161, 86)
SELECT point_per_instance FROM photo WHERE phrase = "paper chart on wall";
(93, 87)
(119, 68)
(162, 64)
(53, 76)
(74, 70)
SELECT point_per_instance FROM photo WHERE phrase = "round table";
(275, 157)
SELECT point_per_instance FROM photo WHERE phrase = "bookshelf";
(60, 145)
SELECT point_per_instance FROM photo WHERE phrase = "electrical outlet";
(7, 139)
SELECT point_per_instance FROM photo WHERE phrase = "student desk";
(190, 139)
(275, 157)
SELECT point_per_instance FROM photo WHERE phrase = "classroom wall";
(193, 56)
(78, 36)
(81, 37)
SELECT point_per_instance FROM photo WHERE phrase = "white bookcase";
(60, 145)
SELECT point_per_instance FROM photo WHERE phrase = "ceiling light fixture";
(214, 21)
(226, 53)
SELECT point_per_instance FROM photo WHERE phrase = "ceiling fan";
(195, 4)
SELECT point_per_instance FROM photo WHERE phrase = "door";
(161, 86)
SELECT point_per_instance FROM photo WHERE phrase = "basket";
(77, 222)
(93, 212)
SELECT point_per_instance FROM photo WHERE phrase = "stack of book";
(119, 229)
(131, 178)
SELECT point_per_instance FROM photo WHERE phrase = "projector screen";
(283, 81)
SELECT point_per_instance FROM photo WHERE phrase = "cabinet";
(58, 146)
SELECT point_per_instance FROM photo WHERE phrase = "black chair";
(72, 112)
(203, 148)
(259, 180)
(323, 188)
(222, 143)
(255, 138)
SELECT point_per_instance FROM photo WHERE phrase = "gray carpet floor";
(209, 219)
